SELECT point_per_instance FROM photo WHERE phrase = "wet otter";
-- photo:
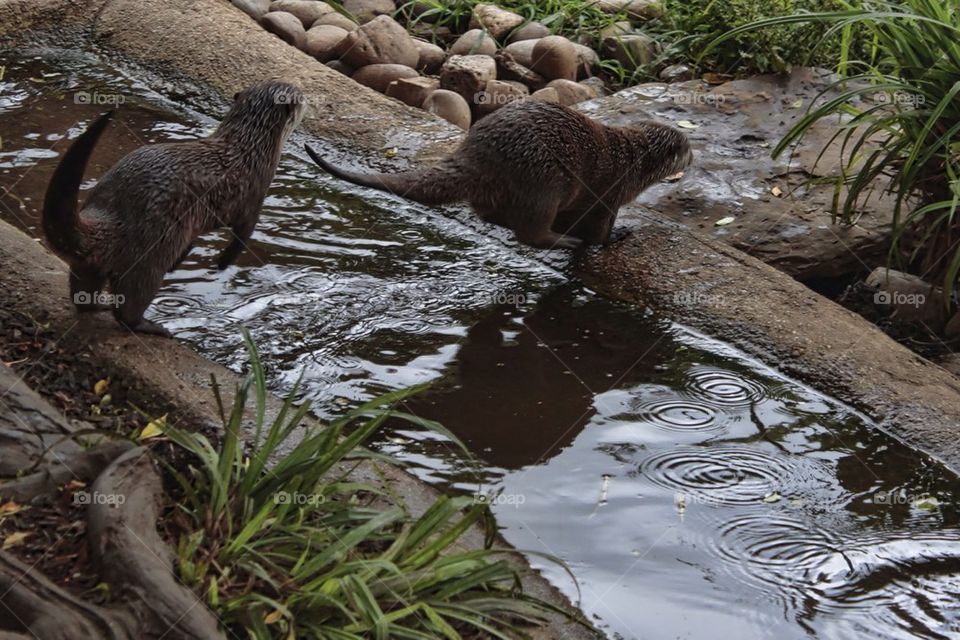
(144, 214)
(554, 176)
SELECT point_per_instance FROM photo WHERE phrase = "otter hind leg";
(134, 292)
(593, 225)
(86, 288)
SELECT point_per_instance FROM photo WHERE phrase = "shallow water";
(693, 492)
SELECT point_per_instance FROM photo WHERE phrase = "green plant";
(284, 543)
(909, 139)
(689, 31)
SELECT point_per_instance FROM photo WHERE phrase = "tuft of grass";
(281, 542)
(909, 139)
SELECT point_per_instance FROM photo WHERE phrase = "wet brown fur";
(143, 215)
(552, 175)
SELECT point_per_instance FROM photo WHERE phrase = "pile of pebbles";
(496, 58)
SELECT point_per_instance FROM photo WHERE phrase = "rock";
(510, 69)
(253, 8)
(498, 93)
(597, 85)
(676, 73)
(432, 32)
(498, 22)
(951, 362)
(547, 94)
(616, 30)
(640, 10)
(322, 41)
(379, 76)
(467, 75)
(587, 60)
(570, 92)
(952, 330)
(522, 51)
(555, 57)
(413, 91)
(909, 298)
(475, 41)
(366, 10)
(530, 31)
(308, 11)
(450, 106)
(336, 19)
(286, 26)
(380, 41)
(341, 66)
(431, 57)
(632, 51)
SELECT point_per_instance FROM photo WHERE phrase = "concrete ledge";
(706, 284)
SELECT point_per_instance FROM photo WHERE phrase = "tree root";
(133, 559)
(84, 466)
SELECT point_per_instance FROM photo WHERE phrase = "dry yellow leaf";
(776, 191)
(154, 428)
(101, 386)
(273, 616)
(15, 539)
(9, 508)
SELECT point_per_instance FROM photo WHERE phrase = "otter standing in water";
(554, 176)
(142, 217)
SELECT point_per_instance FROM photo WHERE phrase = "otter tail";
(437, 185)
(61, 223)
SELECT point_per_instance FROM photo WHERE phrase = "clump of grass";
(908, 140)
(285, 544)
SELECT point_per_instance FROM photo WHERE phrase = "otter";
(552, 175)
(142, 217)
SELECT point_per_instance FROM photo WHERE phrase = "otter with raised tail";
(552, 175)
(142, 217)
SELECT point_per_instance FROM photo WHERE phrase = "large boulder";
(366, 10)
(468, 75)
(450, 106)
(379, 76)
(474, 41)
(253, 8)
(286, 26)
(554, 57)
(323, 41)
(571, 92)
(380, 41)
(308, 11)
(498, 22)
(431, 57)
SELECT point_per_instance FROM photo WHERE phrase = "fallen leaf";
(15, 539)
(772, 497)
(776, 191)
(716, 78)
(273, 617)
(73, 485)
(391, 152)
(154, 428)
(796, 104)
(928, 503)
(101, 386)
(674, 177)
(686, 124)
(724, 221)
(9, 508)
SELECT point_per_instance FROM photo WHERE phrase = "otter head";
(263, 114)
(667, 150)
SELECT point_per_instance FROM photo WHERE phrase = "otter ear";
(236, 96)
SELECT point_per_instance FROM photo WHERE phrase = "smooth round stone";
(450, 106)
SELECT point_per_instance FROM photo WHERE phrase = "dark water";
(693, 492)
